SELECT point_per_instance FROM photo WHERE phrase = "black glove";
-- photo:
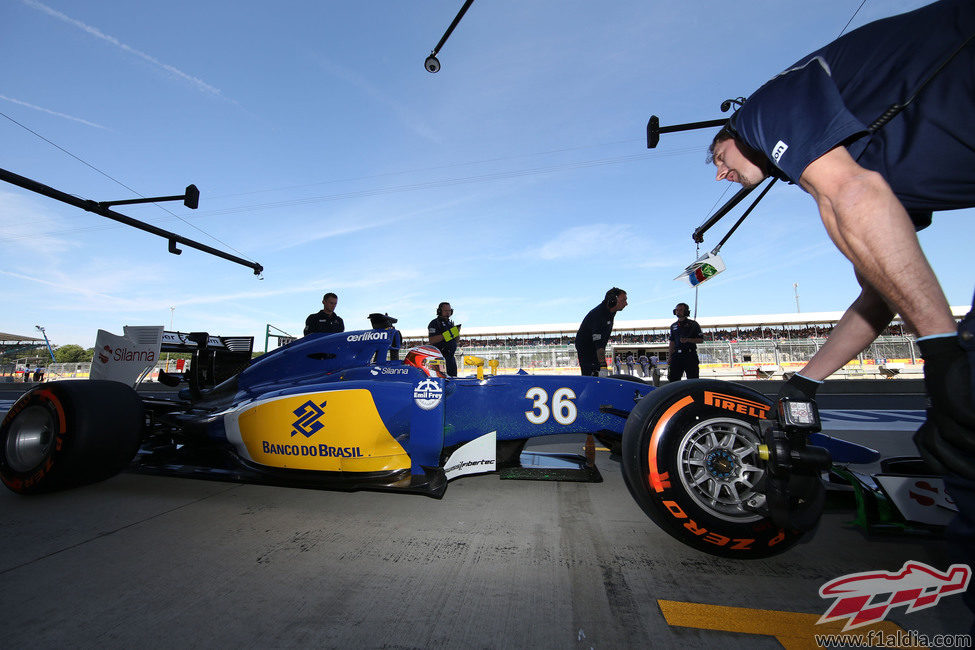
(948, 378)
(947, 438)
(799, 388)
(942, 456)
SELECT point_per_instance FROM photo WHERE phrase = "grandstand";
(761, 346)
(16, 351)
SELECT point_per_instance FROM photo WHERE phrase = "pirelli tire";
(67, 433)
(690, 459)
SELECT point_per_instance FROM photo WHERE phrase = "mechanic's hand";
(604, 372)
(799, 388)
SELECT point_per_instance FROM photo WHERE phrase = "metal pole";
(49, 350)
(93, 206)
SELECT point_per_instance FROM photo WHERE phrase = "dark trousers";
(451, 365)
(961, 530)
(588, 363)
(680, 363)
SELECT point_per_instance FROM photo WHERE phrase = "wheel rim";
(720, 467)
(30, 438)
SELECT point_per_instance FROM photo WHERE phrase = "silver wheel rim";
(720, 467)
(30, 438)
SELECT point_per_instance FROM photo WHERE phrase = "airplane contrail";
(55, 113)
(199, 83)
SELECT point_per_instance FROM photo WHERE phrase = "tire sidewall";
(651, 441)
(98, 428)
(31, 480)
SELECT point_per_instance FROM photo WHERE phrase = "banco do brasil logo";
(308, 422)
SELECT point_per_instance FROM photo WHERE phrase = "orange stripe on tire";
(657, 480)
(57, 405)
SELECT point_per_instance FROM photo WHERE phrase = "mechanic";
(594, 332)
(644, 364)
(685, 334)
(817, 124)
(325, 321)
(385, 322)
(443, 335)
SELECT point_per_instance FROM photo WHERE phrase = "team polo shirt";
(687, 329)
(595, 329)
(324, 323)
(829, 98)
(439, 326)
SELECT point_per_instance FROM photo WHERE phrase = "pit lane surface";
(163, 562)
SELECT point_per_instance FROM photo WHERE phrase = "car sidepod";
(356, 427)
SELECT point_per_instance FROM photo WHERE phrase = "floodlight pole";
(49, 350)
(191, 199)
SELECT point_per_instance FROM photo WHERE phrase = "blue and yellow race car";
(717, 465)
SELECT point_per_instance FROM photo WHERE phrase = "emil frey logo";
(427, 394)
(308, 423)
(865, 598)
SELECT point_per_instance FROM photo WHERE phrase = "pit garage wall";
(888, 357)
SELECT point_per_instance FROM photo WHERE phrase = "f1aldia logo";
(308, 423)
(427, 394)
(867, 597)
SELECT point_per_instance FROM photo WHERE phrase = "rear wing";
(222, 358)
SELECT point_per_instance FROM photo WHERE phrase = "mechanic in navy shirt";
(815, 124)
(443, 335)
(685, 334)
(325, 321)
(593, 334)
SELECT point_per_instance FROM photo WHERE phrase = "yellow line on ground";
(793, 630)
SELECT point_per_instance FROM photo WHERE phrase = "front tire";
(67, 433)
(691, 460)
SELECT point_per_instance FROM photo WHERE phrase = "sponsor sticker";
(427, 394)
(367, 336)
(377, 370)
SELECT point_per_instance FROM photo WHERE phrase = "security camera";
(432, 64)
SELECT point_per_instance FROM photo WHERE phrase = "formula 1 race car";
(716, 465)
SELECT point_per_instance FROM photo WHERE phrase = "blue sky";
(515, 183)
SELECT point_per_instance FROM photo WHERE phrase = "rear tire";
(67, 433)
(690, 459)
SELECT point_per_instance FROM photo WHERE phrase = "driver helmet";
(428, 359)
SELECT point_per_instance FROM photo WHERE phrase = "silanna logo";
(864, 598)
(377, 370)
(308, 422)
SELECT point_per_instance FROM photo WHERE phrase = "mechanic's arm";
(449, 335)
(871, 228)
(862, 322)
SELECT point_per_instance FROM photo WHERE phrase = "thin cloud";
(413, 122)
(55, 113)
(581, 241)
(93, 31)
